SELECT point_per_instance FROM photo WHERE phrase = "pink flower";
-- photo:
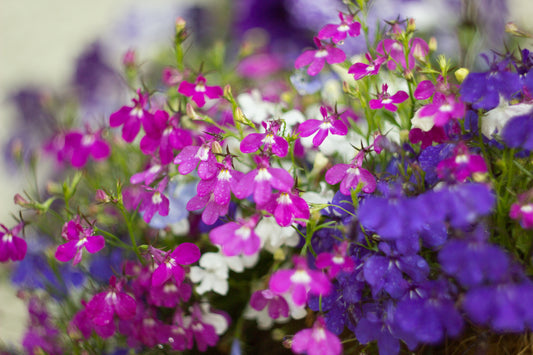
(316, 341)
(102, 308)
(184, 254)
(163, 134)
(153, 201)
(83, 322)
(461, 165)
(11, 245)
(393, 49)
(76, 147)
(147, 176)
(78, 238)
(131, 117)
(338, 33)
(523, 211)
(360, 70)
(270, 139)
(212, 210)
(170, 294)
(193, 155)
(260, 181)
(443, 109)
(237, 237)
(276, 305)
(198, 91)
(171, 76)
(204, 333)
(435, 134)
(350, 175)
(385, 100)
(317, 58)
(286, 207)
(424, 90)
(300, 281)
(336, 261)
(329, 124)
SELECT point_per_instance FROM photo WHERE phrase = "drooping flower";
(351, 175)
(171, 265)
(131, 117)
(316, 341)
(387, 101)
(237, 237)
(11, 245)
(317, 58)
(199, 91)
(299, 281)
(329, 124)
(270, 139)
(78, 238)
(338, 33)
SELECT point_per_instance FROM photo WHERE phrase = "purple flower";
(154, 201)
(286, 207)
(300, 281)
(393, 49)
(163, 133)
(237, 237)
(76, 147)
(184, 254)
(317, 58)
(131, 117)
(360, 70)
(203, 332)
(270, 139)
(202, 155)
(83, 322)
(199, 91)
(78, 238)
(338, 33)
(518, 132)
(329, 124)
(523, 211)
(351, 175)
(11, 245)
(316, 341)
(260, 181)
(277, 305)
(387, 101)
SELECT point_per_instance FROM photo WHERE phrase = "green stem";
(130, 232)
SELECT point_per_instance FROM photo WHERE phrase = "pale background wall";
(39, 41)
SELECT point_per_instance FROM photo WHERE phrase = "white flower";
(425, 123)
(255, 109)
(495, 119)
(273, 236)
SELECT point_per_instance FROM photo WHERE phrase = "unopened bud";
(128, 60)
(279, 254)
(461, 74)
(21, 201)
(239, 116)
(102, 196)
(191, 112)
(216, 148)
(513, 29)
(227, 93)
(432, 44)
(180, 24)
(411, 25)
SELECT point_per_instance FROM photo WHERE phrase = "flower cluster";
(391, 208)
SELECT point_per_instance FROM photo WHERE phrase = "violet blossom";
(317, 58)
(351, 175)
(387, 101)
(270, 139)
(171, 265)
(329, 124)
(78, 238)
(338, 33)
(199, 91)
(11, 245)
(131, 117)
(316, 341)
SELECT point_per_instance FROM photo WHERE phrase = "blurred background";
(47, 47)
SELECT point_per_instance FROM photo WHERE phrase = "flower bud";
(411, 25)
(432, 44)
(21, 201)
(461, 74)
(128, 60)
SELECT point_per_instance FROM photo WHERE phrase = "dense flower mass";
(364, 196)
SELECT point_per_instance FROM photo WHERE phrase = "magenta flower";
(171, 265)
(204, 333)
(221, 185)
(147, 176)
(260, 181)
(300, 281)
(102, 308)
(170, 294)
(360, 70)
(212, 210)
(83, 322)
(424, 90)
(443, 109)
(336, 261)
(350, 175)
(11, 245)
(286, 208)
(385, 100)
(237, 237)
(78, 238)
(198, 91)
(193, 155)
(270, 139)
(522, 211)
(329, 124)
(163, 134)
(317, 58)
(338, 33)
(131, 117)
(276, 305)
(153, 201)
(461, 165)
(393, 49)
(78, 147)
(316, 341)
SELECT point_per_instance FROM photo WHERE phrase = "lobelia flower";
(317, 58)
(199, 91)
(184, 254)
(202, 155)
(443, 109)
(11, 245)
(270, 139)
(316, 341)
(338, 33)
(149, 175)
(238, 237)
(206, 326)
(329, 124)
(213, 272)
(131, 117)
(522, 210)
(82, 322)
(393, 49)
(276, 305)
(163, 134)
(351, 175)
(387, 101)
(78, 238)
(299, 282)
(153, 200)
(518, 132)
(360, 70)
(286, 207)
(170, 294)
(260, 181)
(102, 308)
(462, 164)
(336, 261)
(78, 146)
